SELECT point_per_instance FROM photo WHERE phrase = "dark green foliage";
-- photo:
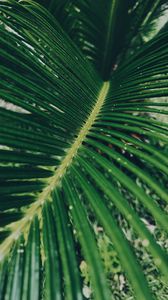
(83, 153)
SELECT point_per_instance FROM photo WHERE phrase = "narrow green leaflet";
(32, 282)
(53, 272)
(71, 279)
(14, 277)
(86, 238)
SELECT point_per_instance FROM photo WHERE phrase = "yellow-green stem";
(23, 225)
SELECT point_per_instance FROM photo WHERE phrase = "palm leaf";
(88, 23)
(70, 148)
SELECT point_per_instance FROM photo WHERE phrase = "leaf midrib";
(110, 28)
(23, 225)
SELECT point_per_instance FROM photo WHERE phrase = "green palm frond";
(95, 27)
(72, 149)
(147, 20)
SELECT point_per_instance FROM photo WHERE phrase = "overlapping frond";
(95, 27)
(69, 153)
(147, 19)
(105, 30)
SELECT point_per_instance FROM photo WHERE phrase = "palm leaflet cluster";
(83, 149)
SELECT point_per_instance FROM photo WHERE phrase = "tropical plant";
(77, 80)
